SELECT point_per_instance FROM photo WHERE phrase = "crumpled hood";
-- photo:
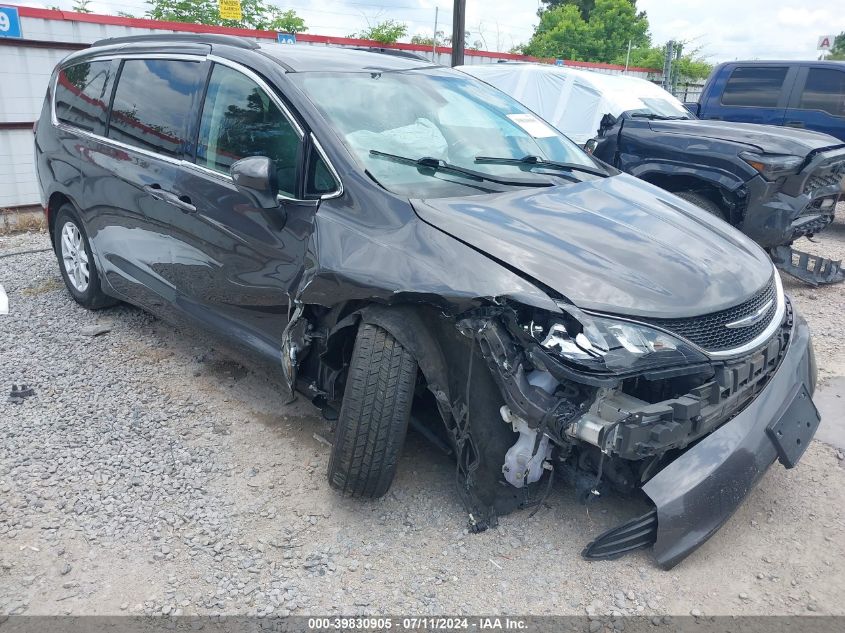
(617, 245)
(771, 139)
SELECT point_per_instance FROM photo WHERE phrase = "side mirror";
(693, 107)
(256, 178)
(591, 145)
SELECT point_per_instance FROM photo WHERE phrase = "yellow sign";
(230, 9)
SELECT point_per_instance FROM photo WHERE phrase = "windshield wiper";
(659, 117)
(536, 161)
(436, 164)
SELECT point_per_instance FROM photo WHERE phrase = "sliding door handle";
(183, 203)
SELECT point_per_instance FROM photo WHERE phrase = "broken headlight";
(607, 344)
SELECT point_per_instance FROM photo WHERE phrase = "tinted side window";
(755, 86)
(153, 104)
(824, 90)
(82, 95)
(239, 119)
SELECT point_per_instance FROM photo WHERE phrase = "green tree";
(386, 32)
(837, 51)
(287, 21)
(691, 65)
(563, 31)
(255, 14)
(81, 6)
(585, 7)
(426, 40)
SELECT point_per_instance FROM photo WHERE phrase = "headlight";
(610, 345)
(772, 166)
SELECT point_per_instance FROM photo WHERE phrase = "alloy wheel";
(75, 257)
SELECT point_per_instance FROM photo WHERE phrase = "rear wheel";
(704, 202)
(374, 414)
(76, 261)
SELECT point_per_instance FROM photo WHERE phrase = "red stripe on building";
(187, 27)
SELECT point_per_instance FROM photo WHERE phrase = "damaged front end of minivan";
(523, 395)
(680, 386)
(607, 401)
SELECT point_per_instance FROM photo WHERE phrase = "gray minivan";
(407, 245)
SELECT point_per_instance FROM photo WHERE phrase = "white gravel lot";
(154, 472)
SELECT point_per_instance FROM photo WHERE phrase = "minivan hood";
(616, 245)
(763, 138)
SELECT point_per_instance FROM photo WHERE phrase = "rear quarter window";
(757, 86)
(82, 95)
(154, 104)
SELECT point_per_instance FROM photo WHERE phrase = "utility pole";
(628, 57)
(669, 56)
(458, 31)
(434, 45)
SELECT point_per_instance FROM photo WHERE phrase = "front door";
(247, 260)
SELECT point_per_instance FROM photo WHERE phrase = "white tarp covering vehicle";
(572, 100)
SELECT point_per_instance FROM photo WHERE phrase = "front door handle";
(794, 124)
(181, 202)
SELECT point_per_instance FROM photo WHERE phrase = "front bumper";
(773, 217)
(699, 491)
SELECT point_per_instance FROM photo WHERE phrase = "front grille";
(709, 331)
(825, 176)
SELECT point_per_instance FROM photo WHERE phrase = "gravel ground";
(153, 472)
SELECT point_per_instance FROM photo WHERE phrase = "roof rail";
(392, 51)
(198, 38)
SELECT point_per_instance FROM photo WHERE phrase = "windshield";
(662, 107)
(443, 115)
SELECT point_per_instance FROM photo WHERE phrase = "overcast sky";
(724, 29)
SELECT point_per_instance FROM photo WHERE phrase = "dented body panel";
(587, 240)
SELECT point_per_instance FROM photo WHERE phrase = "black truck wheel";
(374, 414)
(704, 202)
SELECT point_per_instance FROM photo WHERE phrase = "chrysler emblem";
(752, 318)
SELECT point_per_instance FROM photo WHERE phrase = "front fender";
(663, 169)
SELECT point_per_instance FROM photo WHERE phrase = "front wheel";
(703, 202)
(76, 261)
(374, 414)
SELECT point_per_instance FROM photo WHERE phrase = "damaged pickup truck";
(426, 251)
(775, 184)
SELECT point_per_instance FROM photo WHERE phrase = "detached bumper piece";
(697, 492)
(810, 269)
(635, 534)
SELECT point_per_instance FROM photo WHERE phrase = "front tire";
(76, 261)
(374, 414)
(703, 202)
